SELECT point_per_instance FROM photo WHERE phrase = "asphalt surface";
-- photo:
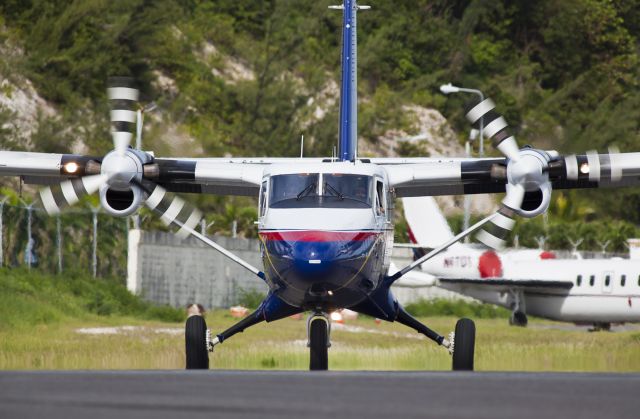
(252, 394)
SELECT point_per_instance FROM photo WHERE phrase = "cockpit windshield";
(291, 189)
(326, 190)
(354, 188)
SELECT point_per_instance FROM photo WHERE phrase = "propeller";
(121, 179)
(123, 98)
(527, 171)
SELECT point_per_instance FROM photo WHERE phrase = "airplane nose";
(313, 258)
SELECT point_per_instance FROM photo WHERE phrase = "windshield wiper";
(333, 190)
(306, 191)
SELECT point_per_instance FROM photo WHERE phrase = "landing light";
(71, 167)
(584, 168)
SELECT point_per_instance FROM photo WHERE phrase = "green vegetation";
(359, 345)
(30, 299)
(49, 322)
(251, 298)
(245, 77)
(456, 308)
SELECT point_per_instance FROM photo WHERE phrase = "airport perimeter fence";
(78, 239)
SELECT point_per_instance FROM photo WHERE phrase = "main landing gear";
(461, 343)
(196, 343)
(518, 318)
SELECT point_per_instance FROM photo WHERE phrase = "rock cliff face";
(434, 138)
(20, 104)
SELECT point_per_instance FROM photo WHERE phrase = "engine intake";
(121, 202)
(536, 202)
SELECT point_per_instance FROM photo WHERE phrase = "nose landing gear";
(318, 331)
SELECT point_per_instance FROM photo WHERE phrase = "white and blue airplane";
(326, 224)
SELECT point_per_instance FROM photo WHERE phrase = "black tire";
(464, 345)
(195, 343)
(518, 319)
(318, 345)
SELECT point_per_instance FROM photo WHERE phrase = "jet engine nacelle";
(121, 202)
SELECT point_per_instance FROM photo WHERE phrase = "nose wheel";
(318, 328)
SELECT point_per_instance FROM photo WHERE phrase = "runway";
(260, 394)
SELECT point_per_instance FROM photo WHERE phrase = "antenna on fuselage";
(301, 145)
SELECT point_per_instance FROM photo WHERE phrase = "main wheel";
(318, 344)
(518, 318)
(464, 345)
(196, 343)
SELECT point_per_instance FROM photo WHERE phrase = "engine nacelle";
(536, 202)
(530, 171)
(121, 202)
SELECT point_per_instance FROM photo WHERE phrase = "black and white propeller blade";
(56, 197)
(173, 210)
(525, 171)
(123, 98)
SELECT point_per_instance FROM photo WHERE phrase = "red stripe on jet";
(317, 236)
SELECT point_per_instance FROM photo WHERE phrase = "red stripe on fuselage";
(317, 236)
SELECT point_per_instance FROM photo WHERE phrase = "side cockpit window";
(379, 197)
(263, 199)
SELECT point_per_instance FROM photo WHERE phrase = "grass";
(39, 322)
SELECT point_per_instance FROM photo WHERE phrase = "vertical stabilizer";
(347, 146)
(428, 225)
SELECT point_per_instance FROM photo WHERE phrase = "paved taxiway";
(248, 394)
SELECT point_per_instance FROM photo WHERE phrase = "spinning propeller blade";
(123, 98)
(54, 198)
(530, 172)
(173, 210)
(496, 128)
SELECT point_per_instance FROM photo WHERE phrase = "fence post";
(1, 231)
(59, 242)
(29, 238)
(94, 211)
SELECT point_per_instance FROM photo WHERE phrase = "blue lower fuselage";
(324, 270)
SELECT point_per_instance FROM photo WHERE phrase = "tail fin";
(427, 225)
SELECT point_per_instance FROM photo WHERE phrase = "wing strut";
(441, 248)
(186, 226)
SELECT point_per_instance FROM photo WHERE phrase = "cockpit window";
(296, 188)
(355, 189)
(327, 190)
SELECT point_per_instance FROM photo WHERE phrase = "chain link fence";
(76, 240)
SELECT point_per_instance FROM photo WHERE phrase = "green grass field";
(40, 329)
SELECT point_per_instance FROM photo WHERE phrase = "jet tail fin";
(427, 225)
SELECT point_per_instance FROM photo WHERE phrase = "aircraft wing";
(500, 284)
(446, 176)
(221, 176)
